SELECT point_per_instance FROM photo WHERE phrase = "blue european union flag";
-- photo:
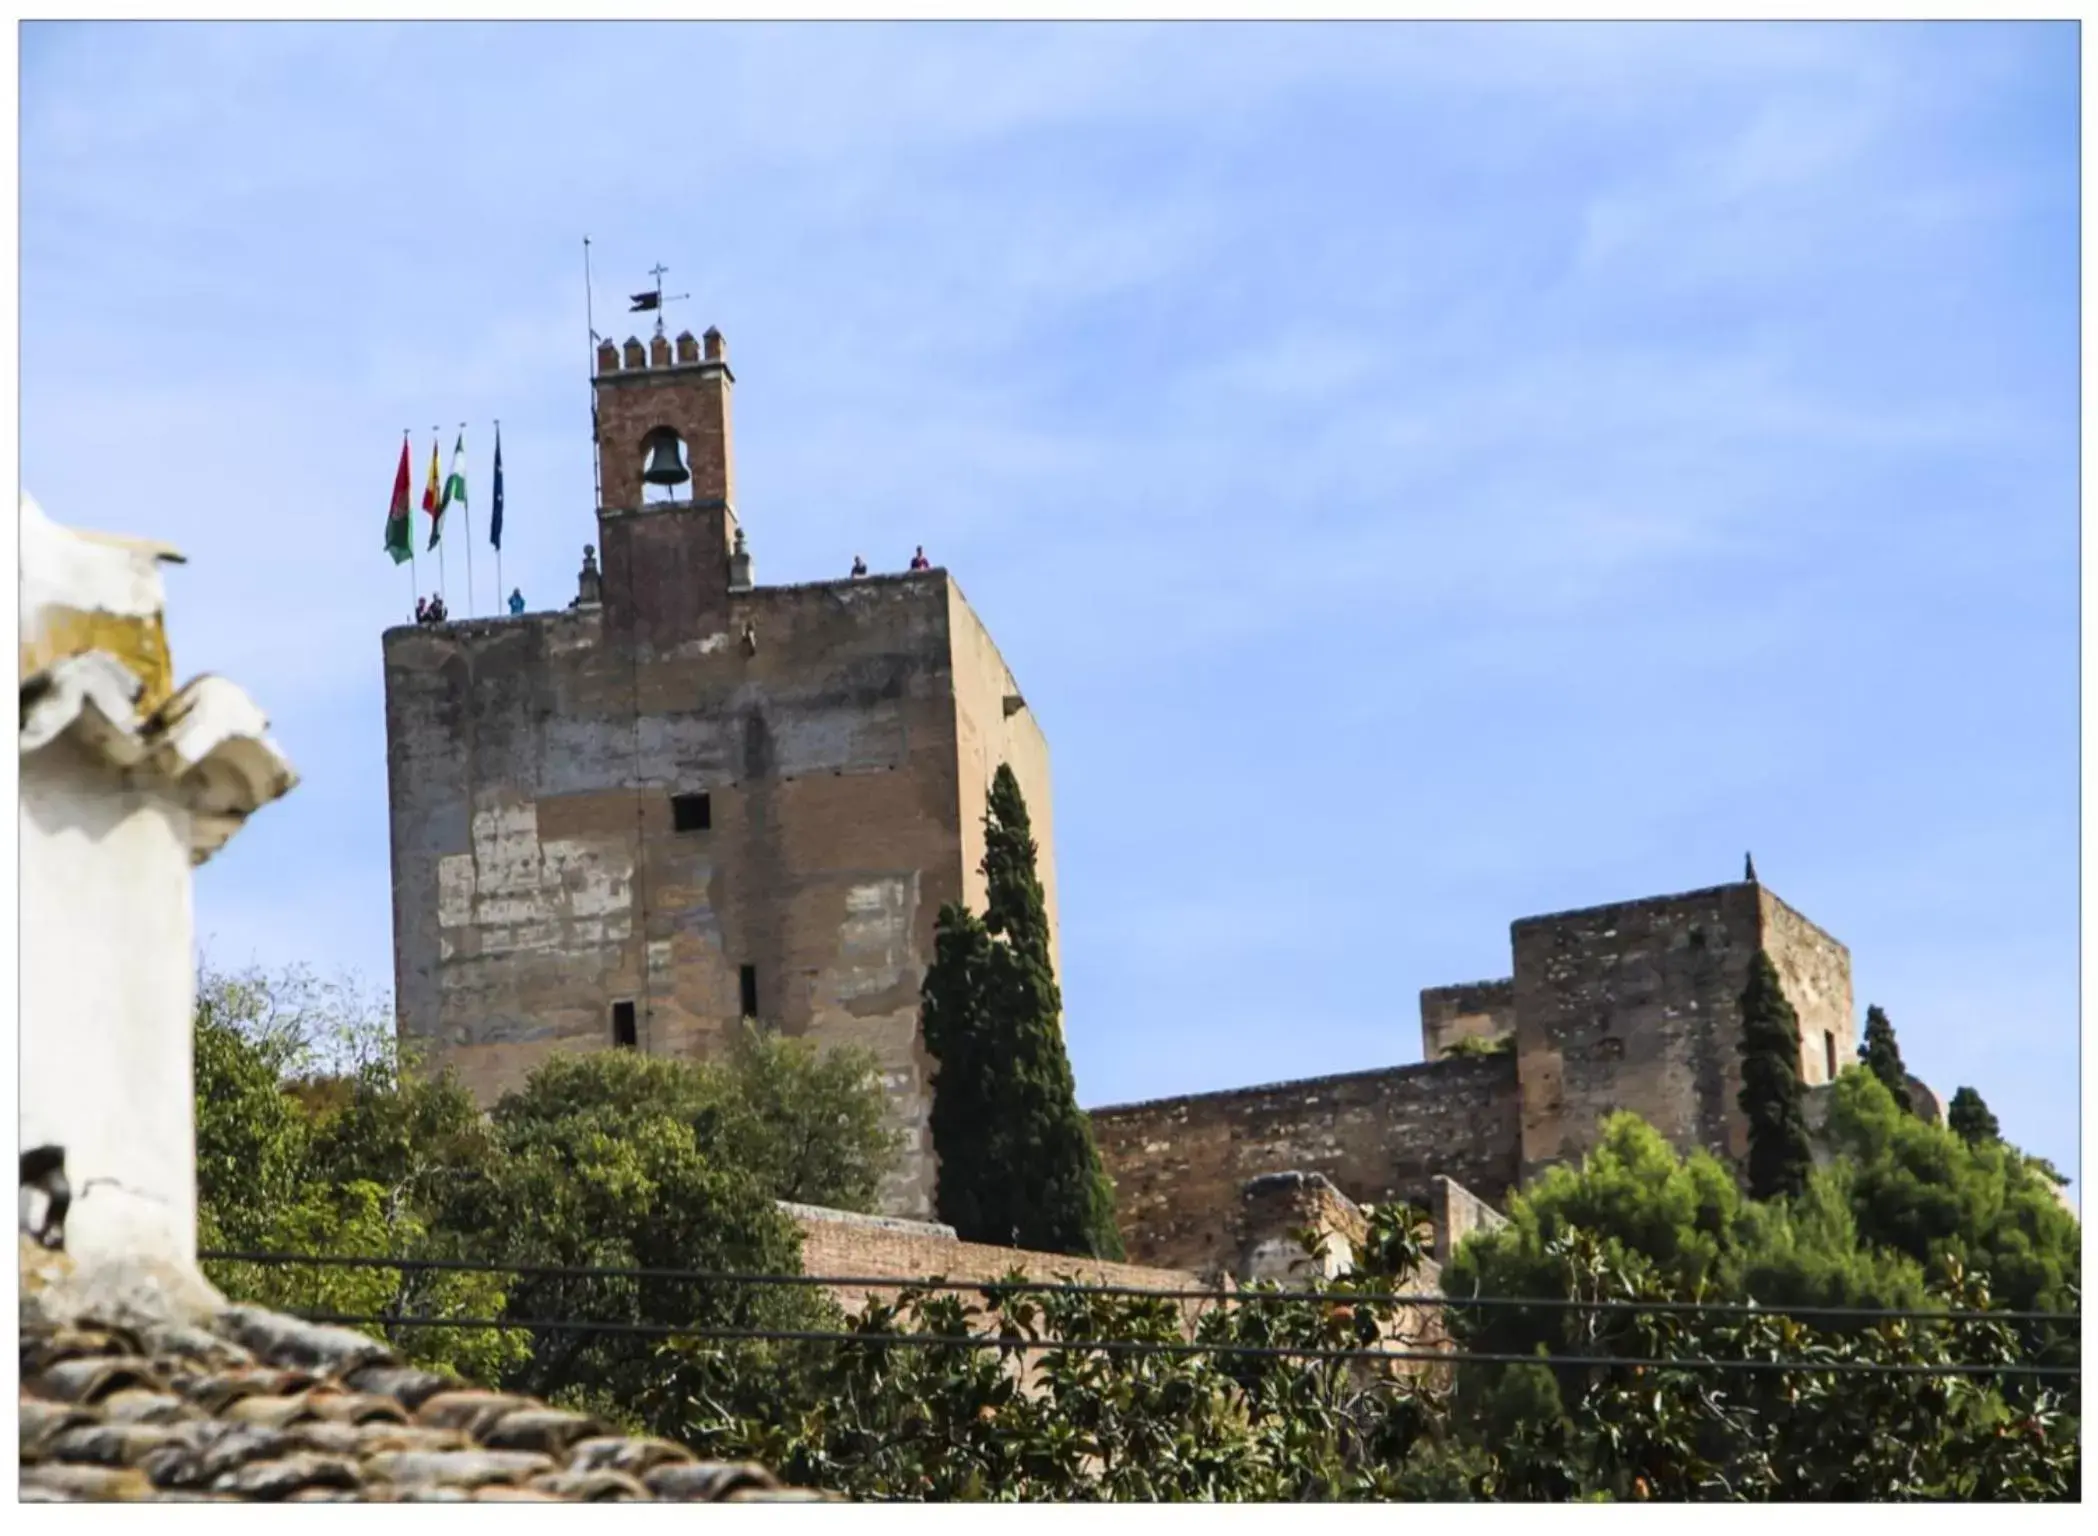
(495, 521)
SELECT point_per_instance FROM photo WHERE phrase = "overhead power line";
(1069, 1288)
(1169, 1347)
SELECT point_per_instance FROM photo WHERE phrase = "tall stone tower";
(688, 799)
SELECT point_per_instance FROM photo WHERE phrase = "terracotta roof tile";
(260, 1406)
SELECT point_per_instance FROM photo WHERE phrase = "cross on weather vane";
(656, 298)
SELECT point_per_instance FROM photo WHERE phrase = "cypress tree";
(965, 1080)
(1968, 1118)
(1882, 1056)
(1017, 1159)
(1772, 1095)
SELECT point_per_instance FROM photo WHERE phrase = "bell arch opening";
(666, 466)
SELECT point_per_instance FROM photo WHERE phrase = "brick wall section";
(691, 399)
(1482, 1010)
(847, 1245)
(842, 1243)
(1179, 1165)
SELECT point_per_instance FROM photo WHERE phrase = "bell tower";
(666, 514)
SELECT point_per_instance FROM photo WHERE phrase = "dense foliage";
(1903, 1214)
(884, 1417)
(1772, 1096)
(1881, 1055)
(316, 1135)
(1017, 1161)
(1970, 1119)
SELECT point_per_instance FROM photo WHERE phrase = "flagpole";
(443, 591)
(414, 580)
(466, 521)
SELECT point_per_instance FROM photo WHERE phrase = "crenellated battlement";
(682, 351)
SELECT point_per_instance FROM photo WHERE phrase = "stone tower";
(687, 798)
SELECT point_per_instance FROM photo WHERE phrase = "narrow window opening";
(623, 1026)
(1828, 1051)
(691, 813)
(750, 991)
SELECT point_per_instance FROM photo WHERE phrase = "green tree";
(1682, 1219)
(968, 1080)
(1772, 1096)
(1882, 1056)
(613, 1160)
(1017, 1159)
(1923, 1191)
(1968, 1117)
(331, 1165)
(808, 1125)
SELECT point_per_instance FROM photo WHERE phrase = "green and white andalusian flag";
(455, 483)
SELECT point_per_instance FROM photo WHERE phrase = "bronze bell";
(664, 466)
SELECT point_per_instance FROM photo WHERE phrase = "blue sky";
(1422, 475)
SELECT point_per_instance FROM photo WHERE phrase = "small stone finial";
(739, 565)
(717, 347)
(636, 354)
(607, 357)
(687, 347)
(589, 584)
(659, 351)
(1749, 874)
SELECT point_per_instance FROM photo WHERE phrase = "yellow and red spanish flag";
(432, 503)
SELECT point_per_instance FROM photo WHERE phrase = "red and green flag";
(399, 541)
(432, 504)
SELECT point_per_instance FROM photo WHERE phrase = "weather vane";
(655, 298)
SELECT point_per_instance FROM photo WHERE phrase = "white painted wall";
(107, 991)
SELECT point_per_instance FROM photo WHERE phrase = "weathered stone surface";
(1632, 1006)
(844, 732)
(1638, 1006)
(1456, 1213)
(1179, 1165)
(1474, 1010)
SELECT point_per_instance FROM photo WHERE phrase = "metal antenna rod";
(597, 488)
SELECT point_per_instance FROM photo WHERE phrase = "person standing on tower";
(516, 602)
(919, 562)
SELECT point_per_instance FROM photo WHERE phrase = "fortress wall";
(1179, 1165)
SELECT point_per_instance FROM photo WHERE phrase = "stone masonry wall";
(1632, 1006)
(1456, 1214)
(539, 878)
(1637, 1006)
(1275, 1208)
(994, 724)
(1815, 971)
(1474, 1010)
(1179, 1165)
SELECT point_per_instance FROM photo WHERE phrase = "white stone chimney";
(127, 783)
